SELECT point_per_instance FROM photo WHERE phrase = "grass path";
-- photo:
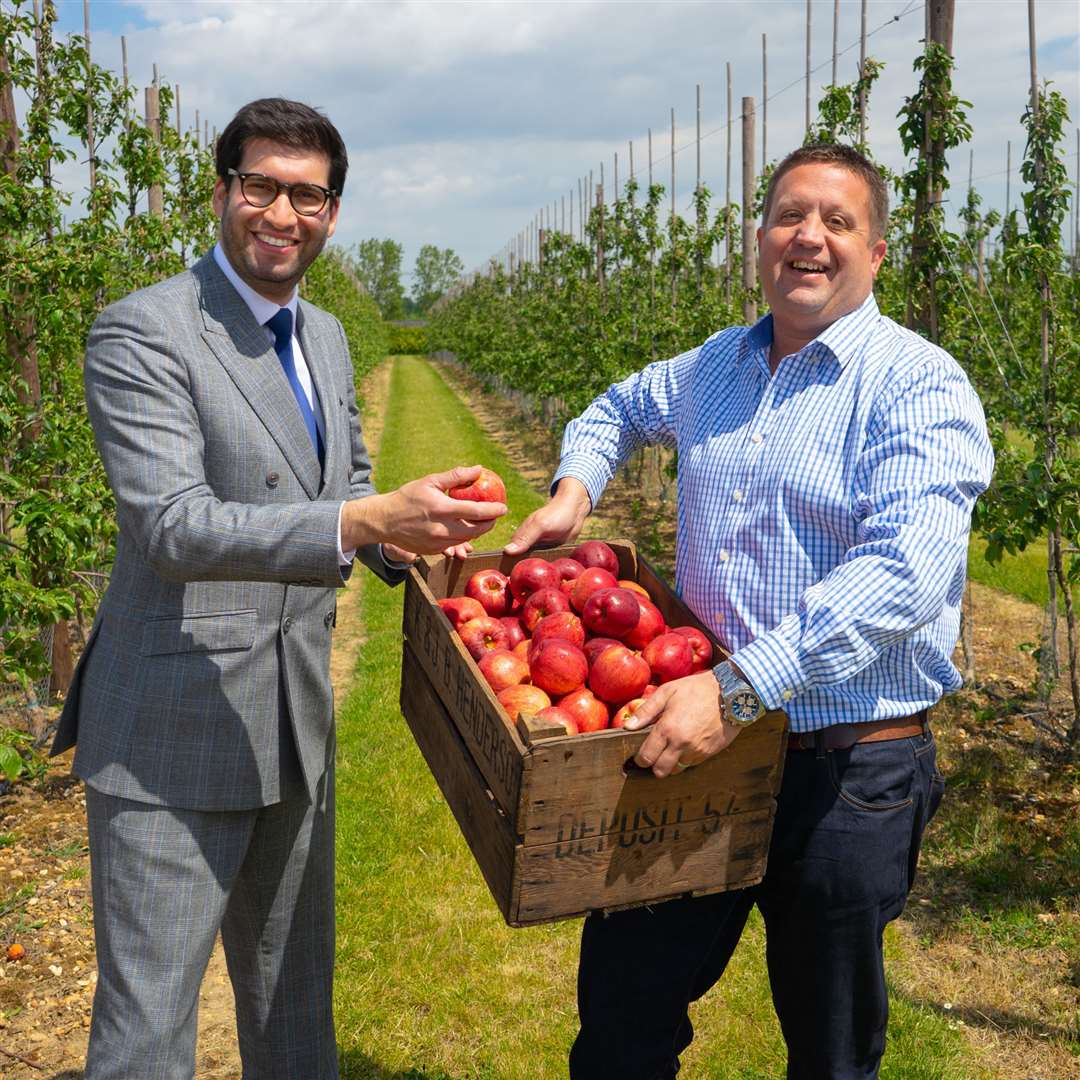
(431, 985)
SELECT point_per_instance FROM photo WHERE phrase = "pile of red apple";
(568, 641)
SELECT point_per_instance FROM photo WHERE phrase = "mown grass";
(431, 984)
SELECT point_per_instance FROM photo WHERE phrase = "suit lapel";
(244, 351)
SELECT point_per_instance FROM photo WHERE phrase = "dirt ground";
(45, 997)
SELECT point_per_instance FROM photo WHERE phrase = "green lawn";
(431, 984)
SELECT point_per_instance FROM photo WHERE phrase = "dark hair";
(290, 123)
(845, 157)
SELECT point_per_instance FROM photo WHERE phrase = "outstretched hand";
(687, 724)
(557, 522)
(420, 517)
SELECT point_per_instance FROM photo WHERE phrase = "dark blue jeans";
(841, 863)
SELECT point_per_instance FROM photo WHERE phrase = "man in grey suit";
(225, 413)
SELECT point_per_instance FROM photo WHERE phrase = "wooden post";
(1076, 209)
(674, 261)
(835, 36)
(749, 277)
(764, 106)
(862, 73)
(154, 196)
(600, 236)
(728, 260)
(1008, 174)
(89, 101)
(807, 128)
(939, 16)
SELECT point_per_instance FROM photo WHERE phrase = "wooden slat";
(495, 746)
(582, 786)
(648, 864)
(485, 828)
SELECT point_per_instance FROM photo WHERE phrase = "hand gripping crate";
(564, 825)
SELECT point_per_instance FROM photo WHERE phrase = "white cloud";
(463, 119)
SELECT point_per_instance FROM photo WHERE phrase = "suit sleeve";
(148, 432)
(360, 483)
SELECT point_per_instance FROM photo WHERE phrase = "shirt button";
(286, 624)
(272, 479)
(718, 617)
(756, 438)
(737, 495)
(787, 695)
(723, 554)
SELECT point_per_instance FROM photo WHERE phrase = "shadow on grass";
(1000, 1021)
(356, 1065)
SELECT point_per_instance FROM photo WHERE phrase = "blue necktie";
(281, 325)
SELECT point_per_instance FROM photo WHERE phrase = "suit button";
(272, 479)
(286, 624)
(328, 619)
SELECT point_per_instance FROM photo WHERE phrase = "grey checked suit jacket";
(212, 642)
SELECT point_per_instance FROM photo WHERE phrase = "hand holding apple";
(687, 726)
(419, 516)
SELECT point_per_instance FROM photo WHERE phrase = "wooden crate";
(564, 825)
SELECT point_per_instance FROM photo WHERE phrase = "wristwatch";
(738, 699)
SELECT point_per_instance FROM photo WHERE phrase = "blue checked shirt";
(823, 512)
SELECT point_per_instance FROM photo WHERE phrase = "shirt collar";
(260, 307)
(842, 339)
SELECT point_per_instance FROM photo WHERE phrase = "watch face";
(745, 707)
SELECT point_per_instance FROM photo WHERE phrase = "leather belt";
(843, 736)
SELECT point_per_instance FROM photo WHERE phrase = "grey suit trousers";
(164, 881)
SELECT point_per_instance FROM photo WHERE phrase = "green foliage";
(18, 757)
(57, 517)
(331, 283)
(644, 285)
(408, 340)
(436, 271)
(377, 263)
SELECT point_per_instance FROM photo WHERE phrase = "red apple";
(633, 586)
(611, 612)
(555, 714)
(487, 487)
(502, 668)
(648, 625)
(531, 574)
(515, 632)
(669, 656)
(492, 589)
(482, 634)
(617, 675)
(541, 603)
(568, 568)
(619, 719)
(521, 649)
(459, 609)
(597, 553)
(587, 582)
(699, 645)
(562, 624)
(557, 666)
(590, 713)
(522, 699)
(595, 646)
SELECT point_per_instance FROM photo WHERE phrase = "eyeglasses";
(260, 191)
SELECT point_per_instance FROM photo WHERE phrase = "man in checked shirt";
(828, 464)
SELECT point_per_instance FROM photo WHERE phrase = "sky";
(462, 120)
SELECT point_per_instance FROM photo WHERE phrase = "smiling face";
(270, 248)
(818, 255)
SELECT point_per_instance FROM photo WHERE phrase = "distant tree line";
(377, 263)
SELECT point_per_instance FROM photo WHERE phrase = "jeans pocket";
(875, 777)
